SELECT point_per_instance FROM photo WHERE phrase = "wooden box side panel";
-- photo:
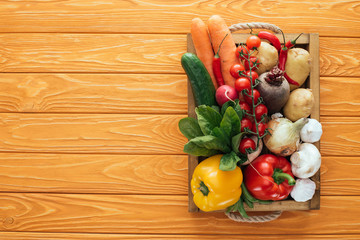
(311, 43)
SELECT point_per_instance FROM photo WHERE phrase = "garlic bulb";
(306, 161)
(311, 132)
(303, 190)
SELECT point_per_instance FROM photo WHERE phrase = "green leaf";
(222, 135)
(228, 161)
(235, 142)
(205, 146)
(216, 108)
(234, 104)
(208, 118)
(190, 128)
(230, 122)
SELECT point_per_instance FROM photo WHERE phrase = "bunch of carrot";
(207, 39)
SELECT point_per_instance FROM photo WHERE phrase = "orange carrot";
(218, 30)
(204, 50)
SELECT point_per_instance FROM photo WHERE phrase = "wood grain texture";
(96, 236)
(327, 17)
(341, 136)
(340, 96)
(86, 53)
(67, 173)
(96, 93)
(91, 133)
(135, 53)
(161, 214)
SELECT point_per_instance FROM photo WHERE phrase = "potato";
(268, 57)
(297, 66)
(300, 104)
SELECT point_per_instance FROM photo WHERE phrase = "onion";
(284, 137)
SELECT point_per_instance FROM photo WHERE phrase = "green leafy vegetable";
(190, 128)
(208, 118)
(228, 161)
(205, 146)
(230, 122)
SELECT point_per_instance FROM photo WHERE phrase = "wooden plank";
(125, 53)
(339, 96)
(96, 93)
(78, 173)
(91, 133)
(161, 214)
(134, 134)
(336, 18)
(341, 136)
(96, 236)
(135, 174)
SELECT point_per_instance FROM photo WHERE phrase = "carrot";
(204, 50)
(218, 30)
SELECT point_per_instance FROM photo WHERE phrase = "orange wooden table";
(90, 96)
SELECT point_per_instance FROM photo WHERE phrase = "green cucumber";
(202, 87)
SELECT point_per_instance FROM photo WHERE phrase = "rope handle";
(254, 219)
(254, 25)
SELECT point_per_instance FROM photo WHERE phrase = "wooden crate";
(311, 43)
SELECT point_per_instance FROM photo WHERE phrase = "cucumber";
(202, 87)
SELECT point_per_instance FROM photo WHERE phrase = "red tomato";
(245, 106)
(242, 83)
(260, 110)
(241, 49)
(234, 70)
(246, 143)
(246, 123)
(249, 99)
(253, 42)
(254, 75)
(261, 127)
(252, 62)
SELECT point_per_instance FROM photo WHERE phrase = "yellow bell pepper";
(213, 188)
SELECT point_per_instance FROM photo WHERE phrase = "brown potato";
(297, 66)
(300, 104)
(268, 57)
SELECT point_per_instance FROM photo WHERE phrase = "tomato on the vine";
(246, 123)
(253, 42)
(261, 127)
(253, 60)
(242, 83)
(256, 95)
(245, 106)
(234, 69)
(246, 143)
(253, 75)
(243, 50)
(260, 110)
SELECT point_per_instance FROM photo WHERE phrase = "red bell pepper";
(269, 177)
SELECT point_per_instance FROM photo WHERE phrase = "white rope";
(254, 219)
(254, 25)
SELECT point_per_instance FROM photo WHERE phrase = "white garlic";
(306, 161)
(311, 132)
(303, 190)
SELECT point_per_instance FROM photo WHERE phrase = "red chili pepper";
(290, 81)
(292, 43)
(216, 65)
(283, 58)
(271, 38)
(269, 177)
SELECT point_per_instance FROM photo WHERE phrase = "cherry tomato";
(261, 127)
(245, 106)
(241, 49)
(260, 110)
(234, 70)
(253, 59)
(256, 97)
(242, 83)
(246, 143)
(254, 75)
(253, 42)
(246, 123)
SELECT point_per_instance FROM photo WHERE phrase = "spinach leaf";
(228, 161)
(230, 122)
(205, 146)
(234, 104)
(235, 142)
(190, 128)
(208, 118)
(221, 134)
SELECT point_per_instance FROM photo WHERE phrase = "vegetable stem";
(204, 189)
